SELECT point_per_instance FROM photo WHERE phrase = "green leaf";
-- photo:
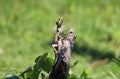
(28, 70)
(37, 68)
(43, 76)
(117, 61)
(11, 77)
(72, 76)
(47, 64)
(84, 74)
(41, 57)
(75, 63)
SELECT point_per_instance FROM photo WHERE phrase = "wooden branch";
(63, 47)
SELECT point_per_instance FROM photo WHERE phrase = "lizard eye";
(71, 32)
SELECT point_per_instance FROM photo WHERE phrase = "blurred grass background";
(27, 29)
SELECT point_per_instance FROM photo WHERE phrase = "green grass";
(27, 29)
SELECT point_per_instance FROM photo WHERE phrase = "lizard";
(62, 48)
(62, 63)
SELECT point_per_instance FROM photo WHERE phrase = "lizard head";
(71, 36)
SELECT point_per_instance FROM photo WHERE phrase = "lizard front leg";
(55, 48)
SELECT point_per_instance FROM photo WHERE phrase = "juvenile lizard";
(62, 48)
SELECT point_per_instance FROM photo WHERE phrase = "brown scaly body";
(62, 48)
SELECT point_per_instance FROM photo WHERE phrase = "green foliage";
(74, 64)
(42, 63)
(37, 68)
(26, 31)
(11, 77)
(43, 76)
(84, 74)
(117, 61)
(72, 76)
(26, 72)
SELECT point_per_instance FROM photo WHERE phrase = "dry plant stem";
(63, 48)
